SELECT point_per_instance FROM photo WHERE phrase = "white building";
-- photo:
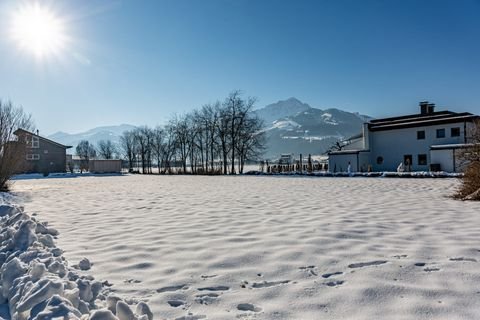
(426, 141)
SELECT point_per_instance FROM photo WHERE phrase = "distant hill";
(301, 128)
(112, 133)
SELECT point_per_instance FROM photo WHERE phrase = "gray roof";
(42, 138)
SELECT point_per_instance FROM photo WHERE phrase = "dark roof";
(420, 120)
(42, 138)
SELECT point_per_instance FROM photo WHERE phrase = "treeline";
(219, 138)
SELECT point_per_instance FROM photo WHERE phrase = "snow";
(328, 118)
(285, 124)
(269, 247)
(35, 280)
(387, 174)
(312, 138)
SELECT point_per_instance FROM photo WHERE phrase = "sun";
(38, 30)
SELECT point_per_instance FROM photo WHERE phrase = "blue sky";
(139, 62)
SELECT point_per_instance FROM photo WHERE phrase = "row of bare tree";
(219, 138)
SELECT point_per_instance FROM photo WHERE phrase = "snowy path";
(272, 247)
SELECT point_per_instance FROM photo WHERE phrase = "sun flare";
(38, 30)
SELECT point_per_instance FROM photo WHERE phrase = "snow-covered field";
(271, 247)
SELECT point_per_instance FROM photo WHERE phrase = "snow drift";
(37, 283)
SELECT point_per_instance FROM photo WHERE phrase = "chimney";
(423, 107)
(38, 132)
(431, 108)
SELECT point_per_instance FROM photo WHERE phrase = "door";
(407, 161)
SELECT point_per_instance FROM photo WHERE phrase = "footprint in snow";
(307, 268)
(131, 281)
(310, 270)
(267, 284)
(431, 269)
(366, 264)
(463, 259)
(328, 275)
(248, 307)
(192, 317)
(335, 283)
(206, 299)
(173, 288)
(420, 264)
(176, 303)
(215, 288)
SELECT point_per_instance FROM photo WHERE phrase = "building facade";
(421, 142)
(41, 154)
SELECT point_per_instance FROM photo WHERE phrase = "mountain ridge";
(94, 135)
(291, 126)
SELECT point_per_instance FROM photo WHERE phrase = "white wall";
(443, 157)
(356, 144)
(339, 162)
(392, 145)
(358, 162)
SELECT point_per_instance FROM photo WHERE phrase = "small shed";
(448, 157)
(338, 161)
(105, 166)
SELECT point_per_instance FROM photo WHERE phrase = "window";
(421, 135)
(455, 132)
(422, 159)
(35, 142)
(32, 141)
(379, 160)
(45, 151)
(440, 133)
(33, 156)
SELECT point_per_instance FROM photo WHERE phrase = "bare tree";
(143, 147)
(223, 127)
(127, 146)
(158, 146)
(85, 151)
(12, 150)
(182, 139)
(169, 147)
(240, 124)
(106, 149)
(251, 140)
(210, 119)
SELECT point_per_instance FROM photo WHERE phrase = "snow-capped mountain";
(112, 133)
(281, 109)
(304, 129)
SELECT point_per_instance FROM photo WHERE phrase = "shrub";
(470, 157)
(470, 187)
